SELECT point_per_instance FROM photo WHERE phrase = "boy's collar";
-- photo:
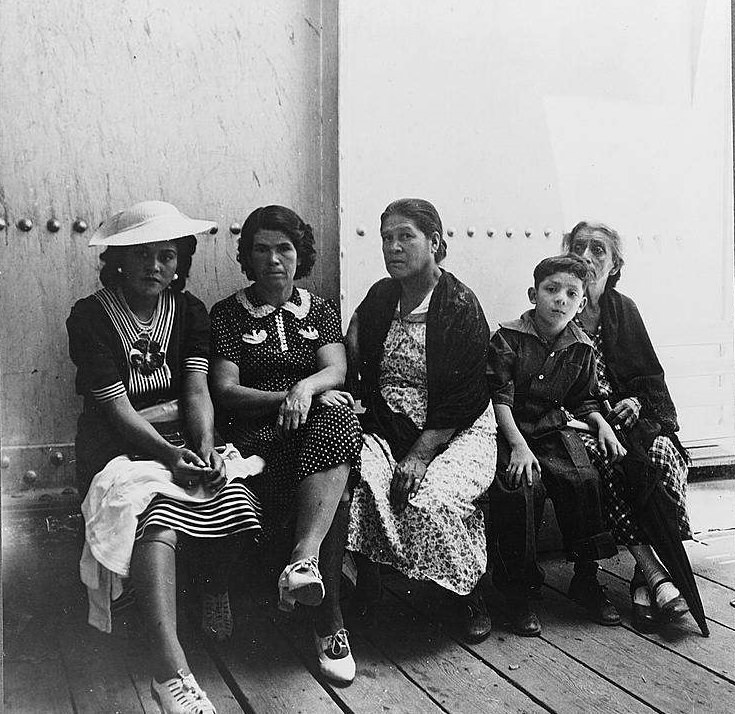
(568, 336)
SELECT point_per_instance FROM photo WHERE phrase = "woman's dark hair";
(566, 263)
(111, 259)
(423, 215)
(615, 243)
(283, 220)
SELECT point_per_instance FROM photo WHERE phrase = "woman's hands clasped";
(406, 481)
(190, 470)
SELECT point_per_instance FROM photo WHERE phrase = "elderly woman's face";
(597, 250)
(273, 257)
(147, 270)
(406, 250)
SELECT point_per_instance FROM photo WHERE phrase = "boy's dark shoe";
(475, 622)
(523, 620)
(587, 592)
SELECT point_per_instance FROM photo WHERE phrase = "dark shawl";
(634, 371)
(457, 337)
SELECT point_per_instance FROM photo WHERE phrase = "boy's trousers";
(572, 483)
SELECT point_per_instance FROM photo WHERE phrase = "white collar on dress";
(260, 311)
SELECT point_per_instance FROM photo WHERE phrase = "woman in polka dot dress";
(278, 361)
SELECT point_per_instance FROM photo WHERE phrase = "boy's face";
(558, 298)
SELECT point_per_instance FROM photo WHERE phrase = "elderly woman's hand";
(626, 412)
(407, 478)
(335, 398)
(294, 408)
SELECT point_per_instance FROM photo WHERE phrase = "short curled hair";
(423, 215)
(283, 220)
(616, 244)
(111, 259)
(566, 263)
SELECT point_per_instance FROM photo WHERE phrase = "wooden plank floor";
(409, 661)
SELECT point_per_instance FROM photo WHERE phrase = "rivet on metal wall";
(4, 461)
(56, 458)
(547, 232)
(508, 232)
(235, 229)
(80, 225)
(471, 231)
(213, 229)
(3, 224)
(30, 477)
(451, 232)
(490, 232)
(360, 230)
(53, 225)
(25, 224)
(528, 233)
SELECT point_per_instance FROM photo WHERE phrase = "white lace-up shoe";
(181, 695)
(335, 657)
(300, 582)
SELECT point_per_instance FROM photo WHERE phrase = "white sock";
(666, 592)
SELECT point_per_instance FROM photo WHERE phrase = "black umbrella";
(656, 513)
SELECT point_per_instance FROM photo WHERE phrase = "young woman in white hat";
(147, 463)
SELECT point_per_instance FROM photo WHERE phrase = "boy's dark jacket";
(539, 381)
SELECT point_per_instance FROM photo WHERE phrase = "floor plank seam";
(332, 692)
(211, 649)
(709, 617)
(474, 654)
(658, 644)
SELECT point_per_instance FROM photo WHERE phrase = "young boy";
(541, 370)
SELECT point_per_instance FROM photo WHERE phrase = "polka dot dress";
(273, 349)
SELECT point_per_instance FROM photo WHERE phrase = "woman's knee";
(160, 534)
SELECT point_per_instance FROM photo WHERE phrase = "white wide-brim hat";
(148, 222)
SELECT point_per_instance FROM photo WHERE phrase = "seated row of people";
(398, 487)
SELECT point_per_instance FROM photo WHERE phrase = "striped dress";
(117, 354)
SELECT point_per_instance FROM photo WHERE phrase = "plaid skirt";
(621, 519)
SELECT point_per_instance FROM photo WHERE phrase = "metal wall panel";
(518, 120)
(216, 107)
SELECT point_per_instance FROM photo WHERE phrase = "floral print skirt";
(440, 536)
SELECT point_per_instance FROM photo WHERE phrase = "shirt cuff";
(110, 392)
(196, 364)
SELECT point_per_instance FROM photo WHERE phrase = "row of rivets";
(471, 230)
(53, 225)
(55, 457)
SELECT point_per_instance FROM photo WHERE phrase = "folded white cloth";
(117, 496)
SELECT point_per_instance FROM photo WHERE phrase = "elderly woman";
(139, 343)
(631, 378)
(278, 351)
(419, 341)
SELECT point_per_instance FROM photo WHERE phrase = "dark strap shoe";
(643, 617)
(587, 592)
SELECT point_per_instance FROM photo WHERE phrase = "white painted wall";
(527, 116)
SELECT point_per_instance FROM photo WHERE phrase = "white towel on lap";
(117, 496)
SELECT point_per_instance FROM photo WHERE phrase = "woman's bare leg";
(328, 616)
(317, 499)
(153, 572)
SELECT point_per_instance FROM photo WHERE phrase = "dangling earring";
(119, 270)
(176, 276)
